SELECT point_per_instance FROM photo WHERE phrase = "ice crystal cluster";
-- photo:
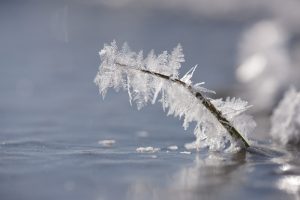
(124, 69)
(286, 119)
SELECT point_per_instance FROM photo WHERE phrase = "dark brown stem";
(205, 101)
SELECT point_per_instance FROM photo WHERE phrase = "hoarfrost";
(123, 69)
(286, 119)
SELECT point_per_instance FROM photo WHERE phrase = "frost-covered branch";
(145, 79)
(205, 101)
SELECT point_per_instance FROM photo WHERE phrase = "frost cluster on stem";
(156, 78)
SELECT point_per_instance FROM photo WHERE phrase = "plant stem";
(205, 101)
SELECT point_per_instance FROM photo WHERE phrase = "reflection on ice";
(208, 177)
(226, 176)
(291, 185)
(289, 178)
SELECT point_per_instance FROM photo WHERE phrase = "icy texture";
(122, 69)
(286, 119)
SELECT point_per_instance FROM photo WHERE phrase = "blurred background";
(52, 117)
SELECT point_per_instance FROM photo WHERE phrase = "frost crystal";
(157, 77)
(286, 119)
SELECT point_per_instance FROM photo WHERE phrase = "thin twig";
(206, 102)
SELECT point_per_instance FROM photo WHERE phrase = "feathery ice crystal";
(157, 77)
(286, 119)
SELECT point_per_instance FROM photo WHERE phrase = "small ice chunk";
(191, 145)
(107, 143)
(185, 152)
(147, 149)
(173, 147)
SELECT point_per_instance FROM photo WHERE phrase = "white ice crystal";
(124, 69)
(286, 119)
(147, 149)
